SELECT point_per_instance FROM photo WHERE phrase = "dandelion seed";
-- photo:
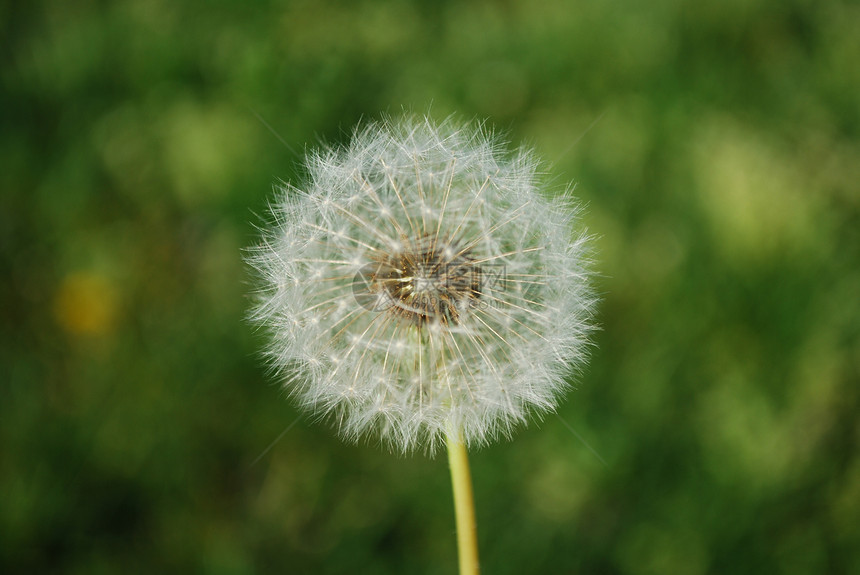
(421, 282)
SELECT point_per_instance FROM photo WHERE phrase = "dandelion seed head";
(420, 281)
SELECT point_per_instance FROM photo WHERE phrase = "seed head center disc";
(426, 281)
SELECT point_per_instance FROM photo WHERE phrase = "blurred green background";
(716, 144)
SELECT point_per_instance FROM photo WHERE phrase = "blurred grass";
(721, 176)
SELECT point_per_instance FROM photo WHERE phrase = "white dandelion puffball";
(420, 283)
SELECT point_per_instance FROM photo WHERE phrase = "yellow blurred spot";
(85, 304)
(752, 192)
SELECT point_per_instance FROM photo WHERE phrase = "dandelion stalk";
(464, 505)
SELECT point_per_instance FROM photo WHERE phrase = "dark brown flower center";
(428, 281)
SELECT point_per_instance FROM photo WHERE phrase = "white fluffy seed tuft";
(420, 281)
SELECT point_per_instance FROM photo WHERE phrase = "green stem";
(464, 505)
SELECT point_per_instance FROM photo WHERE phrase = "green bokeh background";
(716, 145)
